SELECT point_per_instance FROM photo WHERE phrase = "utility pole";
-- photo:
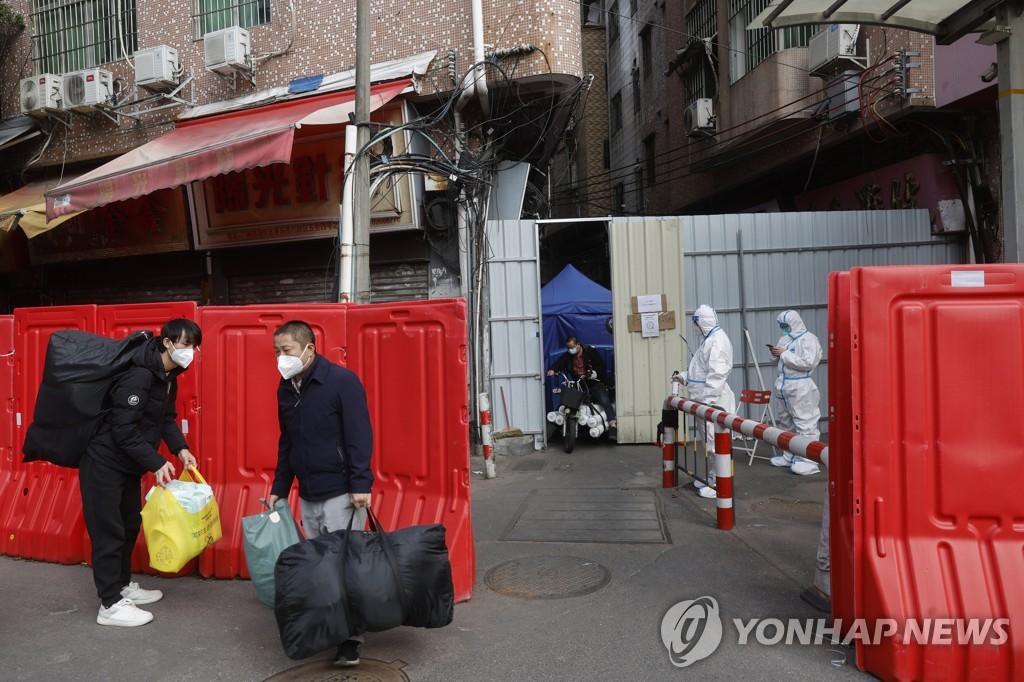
(361, 169)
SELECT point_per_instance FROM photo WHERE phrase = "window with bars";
(702, 76)
(213, 15)
(701, 21)
(750, 48)
(615, 113)
(71, 35)
(619, 198)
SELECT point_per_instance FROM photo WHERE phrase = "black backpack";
(79, 370)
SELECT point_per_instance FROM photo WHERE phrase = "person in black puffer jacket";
(142, 413)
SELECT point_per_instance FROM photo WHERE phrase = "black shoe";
(613, 433)
(348, 654)
(818, 599)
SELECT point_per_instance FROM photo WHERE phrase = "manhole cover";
(324, 670)
(528, 465)
(547, 577)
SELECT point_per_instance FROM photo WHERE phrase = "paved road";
(217, 630)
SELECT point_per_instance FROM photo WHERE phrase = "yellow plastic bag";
(173, 535)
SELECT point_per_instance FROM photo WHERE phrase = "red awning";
(202, 148)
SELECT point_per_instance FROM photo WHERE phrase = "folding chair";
(752, 397)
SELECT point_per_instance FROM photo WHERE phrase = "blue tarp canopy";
(574, 304)
(573, 293)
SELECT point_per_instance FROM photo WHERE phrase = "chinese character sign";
(154, 223)
(920, 182)
(297, 200)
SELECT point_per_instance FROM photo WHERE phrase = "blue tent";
(574, 304)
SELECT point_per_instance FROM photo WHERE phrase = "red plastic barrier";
(40, 506)
(412, 359)
(937, 392)
(238, 443)
(6, 392)
(840, 448)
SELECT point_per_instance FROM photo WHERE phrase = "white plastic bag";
(192, 496)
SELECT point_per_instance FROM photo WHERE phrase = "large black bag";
(352, 581)
(79, 370)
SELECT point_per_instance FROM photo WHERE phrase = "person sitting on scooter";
(584, 362)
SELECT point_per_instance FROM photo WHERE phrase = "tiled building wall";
(593, 175)
(324, 42)
(775, 89)
(887, 42)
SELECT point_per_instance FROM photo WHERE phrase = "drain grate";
(607, 515)
(528, 465)
(368, 670)
(547, 577)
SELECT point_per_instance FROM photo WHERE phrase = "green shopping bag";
(266, 535)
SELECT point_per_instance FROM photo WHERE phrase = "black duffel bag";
(344, 583)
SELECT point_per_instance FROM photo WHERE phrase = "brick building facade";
(535, 51)
(770, 132)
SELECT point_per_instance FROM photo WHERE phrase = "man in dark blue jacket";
(142, 413)
(326, 442)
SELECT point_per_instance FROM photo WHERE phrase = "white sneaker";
(780, 461)
(123, 614)
(707, 491)
(140, 596)
(804, 468)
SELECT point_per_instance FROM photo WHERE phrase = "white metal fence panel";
(646, 258)
(750, 267)
(516, 354)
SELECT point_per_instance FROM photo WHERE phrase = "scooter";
(575, 411)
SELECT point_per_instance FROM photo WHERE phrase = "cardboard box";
(666, 320)
(635, 308)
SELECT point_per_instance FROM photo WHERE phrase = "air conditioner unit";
(837, 43)
(699, 118)
(227, 50)
(40, 93)
(156, 68)
(84, 90)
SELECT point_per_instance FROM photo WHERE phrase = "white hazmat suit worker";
(707, 380)
(798, 354)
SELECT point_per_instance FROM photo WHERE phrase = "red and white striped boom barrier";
(725, 423)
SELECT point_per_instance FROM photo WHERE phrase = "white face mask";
(290, 365)
(182, 357)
